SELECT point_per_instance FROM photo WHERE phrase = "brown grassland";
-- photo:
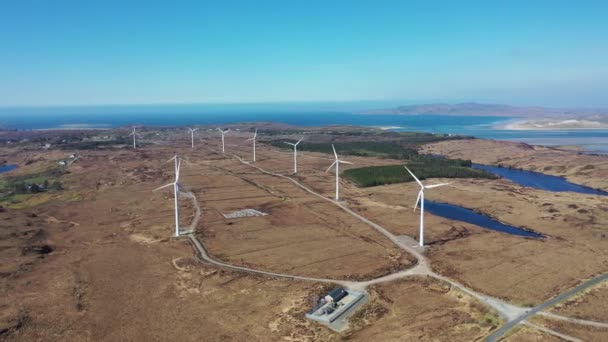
(97, 261)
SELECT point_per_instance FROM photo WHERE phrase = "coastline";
(551, 125)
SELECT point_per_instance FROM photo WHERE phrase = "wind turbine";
(134, 134)
(253, 139)
(337, 164)
(223, 132)
(175, 184)
(295, 154)
(421, 200)
(192, 130)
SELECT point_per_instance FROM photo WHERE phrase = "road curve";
(419, 257)
(202, 253)
(506, 310)
(514, 314)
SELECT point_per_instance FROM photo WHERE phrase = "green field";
(14, 189)
(359, 148)
(423, 168)
(401, 145)
(404, 147)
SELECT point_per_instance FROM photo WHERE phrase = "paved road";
(506, 310)
(551, 302)
(514, 314)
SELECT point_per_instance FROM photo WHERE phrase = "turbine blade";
(288, 143)
(179, 165)
(345, 162)
(332, 165)
(417, 200)
(415, 178)
(335, 154)
(299, 141)
(173, 158)
(220, 130)
(164, 186)
(435, 185)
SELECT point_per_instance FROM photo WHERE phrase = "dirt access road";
(514, 314)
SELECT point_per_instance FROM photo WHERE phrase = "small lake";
(539, 180)
(456, 213)
(7, 167)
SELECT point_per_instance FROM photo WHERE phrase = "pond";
(539, 180)
(7, 167)
(457, 213)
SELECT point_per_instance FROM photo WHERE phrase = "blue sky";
(552, 53)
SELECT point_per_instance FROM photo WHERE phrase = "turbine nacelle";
(191, 131)
(223, 133)
(175, 184)
(295, 154)
(134, 134)
(337, 163)
(255, 134)
(337, 160)
(420, 201)
(294, 145)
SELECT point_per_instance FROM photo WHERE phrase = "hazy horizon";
(359, 105)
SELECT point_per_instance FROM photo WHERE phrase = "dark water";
(7, 167)
(539, 180)
(457, 213)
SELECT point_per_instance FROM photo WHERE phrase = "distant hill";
(489, 110)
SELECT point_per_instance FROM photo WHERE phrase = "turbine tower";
(134, 134)
(420, 200)
(295, 155)
(337, 164)
(223, 133)
(253, 139)
(175, 185)
(192, 130)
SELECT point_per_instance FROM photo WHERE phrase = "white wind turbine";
(337, 164)
(223, 133)
(175, 184)
(191, 131)
(295, 154)
(253, 139)
(420, 200)
(134, 134)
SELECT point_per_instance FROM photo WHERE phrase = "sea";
(488, 127)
